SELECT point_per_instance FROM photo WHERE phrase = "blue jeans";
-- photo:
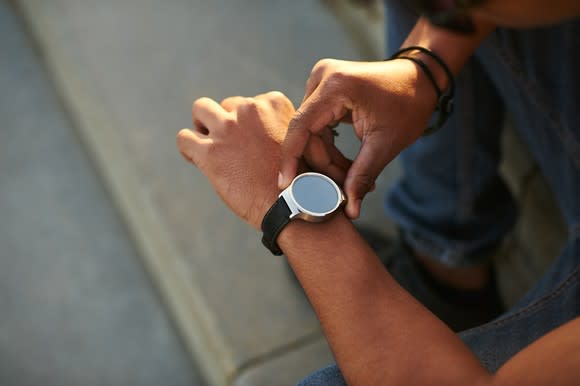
(451, 202)
(551, 303)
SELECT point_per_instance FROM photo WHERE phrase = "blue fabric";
(451, 203)
(554, 301)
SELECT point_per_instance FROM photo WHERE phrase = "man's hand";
(389, 104)
(236, 144)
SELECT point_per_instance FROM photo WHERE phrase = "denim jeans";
(451, 202)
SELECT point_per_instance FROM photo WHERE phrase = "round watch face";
(316, 193)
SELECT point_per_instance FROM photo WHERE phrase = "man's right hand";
(389, 104)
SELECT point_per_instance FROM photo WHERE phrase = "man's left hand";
(236, 144)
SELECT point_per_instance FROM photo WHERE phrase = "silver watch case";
(298, 212)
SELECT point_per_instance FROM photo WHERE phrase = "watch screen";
(315, 194)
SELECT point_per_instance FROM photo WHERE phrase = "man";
(380, 334)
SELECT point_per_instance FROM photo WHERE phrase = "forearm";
(379, 334)
(455, 49)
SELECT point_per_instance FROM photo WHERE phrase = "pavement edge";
(95, 127)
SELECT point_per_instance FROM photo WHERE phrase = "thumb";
(370, 161)
(310, 118)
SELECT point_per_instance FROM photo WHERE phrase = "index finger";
(313, 116)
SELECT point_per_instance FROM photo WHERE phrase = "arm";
(379, 334)
(363, 93)
(455, 49)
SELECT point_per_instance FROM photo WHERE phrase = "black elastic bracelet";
(435, 57)
(445, 101)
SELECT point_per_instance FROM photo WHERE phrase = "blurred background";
(111, 268)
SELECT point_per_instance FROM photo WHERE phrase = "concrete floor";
(76, 307)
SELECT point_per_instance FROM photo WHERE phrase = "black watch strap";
(274, 221)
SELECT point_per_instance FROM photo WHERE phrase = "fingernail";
(280, 180)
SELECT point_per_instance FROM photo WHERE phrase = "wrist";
(265, 204)
(439, 74)
(424, 93)
(299, 236)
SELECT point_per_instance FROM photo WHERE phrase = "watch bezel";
(297, 211)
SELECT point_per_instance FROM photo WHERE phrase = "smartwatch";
(311, 197)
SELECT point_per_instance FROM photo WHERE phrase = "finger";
(328, 133)
(323, 156)
(338, 158)
(272, 96)
(192, 146)
(208, 114)
(311, 85)
(314, 79)
(277, 100)
(340, 164)
(303, 167)
(311, 117)
(368, 164)
(319, 158)
(231, 103)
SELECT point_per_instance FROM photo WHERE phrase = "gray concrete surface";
(76, 307)
(282, 370)
(129, 71)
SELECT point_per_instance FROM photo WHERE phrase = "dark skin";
(347, 91)
(378, 333)
(387, 116)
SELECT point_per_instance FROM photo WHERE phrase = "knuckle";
(320, 68)
(276, 95)
(278, 100)
(250, 105)
(323, 64)
(229, 101)
(339, 77)
(199, 102)
(230, 123)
